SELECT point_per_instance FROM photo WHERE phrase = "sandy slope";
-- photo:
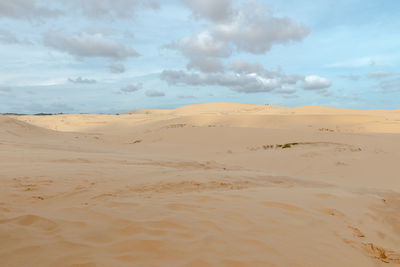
(219, 184)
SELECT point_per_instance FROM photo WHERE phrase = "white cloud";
(314, 82)
(85, 45)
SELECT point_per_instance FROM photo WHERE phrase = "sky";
(114, 56)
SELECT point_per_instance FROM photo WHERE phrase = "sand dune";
(220, 184)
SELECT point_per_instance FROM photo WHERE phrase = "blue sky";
(113, 56)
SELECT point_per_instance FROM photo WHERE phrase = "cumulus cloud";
(81, 80)
(314, 82)
(249, 27)
(238, 83)
(379, 74)
(244, 67)
(154, 93)
(214, 10)
(84, 45)
(132, 88)
(117, 68)
(26, 9)
(203, 51)
(254, 29)
(112, 9)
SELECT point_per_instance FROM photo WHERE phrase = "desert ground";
(219, 184)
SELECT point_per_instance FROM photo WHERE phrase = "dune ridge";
(218, 184)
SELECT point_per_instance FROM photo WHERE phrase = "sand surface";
(220, 184)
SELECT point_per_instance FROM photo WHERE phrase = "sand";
(220, 184)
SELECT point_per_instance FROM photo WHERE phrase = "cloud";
(214, 10)
(354, 63)
(314, 82)
(132, 88)
(379, 74)
(291, 79)
(86, 45)
(254, 29)
(351, 77)
(80, 80)
(186, 97)
(244, 67)
(112, 9)
(26, 9)
(286, 91)
(4, 88)
(390, 86)
(238, 83)
(7, 37)
(203, 51)
(250, 27)
(154, 93)
(117, 68)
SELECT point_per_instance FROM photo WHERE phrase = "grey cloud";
(117, 68)
(203, 51)
(214, 10)
(4, 88)
(129, 35)
(26, 9)
(85, 45)
(244, 67)
(7, 37)
(112, 9)
(379, 74)
(286, 91)
(314, 82)
(238, 83)
(249, 27)
(292, 79)
(186, 97)
(132, 88)
(81, 80)
(256, 30)
(205, 64)
(154, 93)
(351, 77)
(390, 86)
